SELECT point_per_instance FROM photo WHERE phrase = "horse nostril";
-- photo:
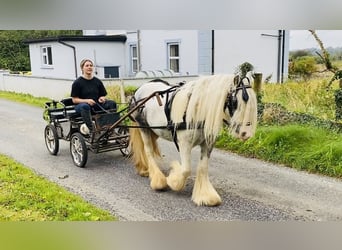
(243, 134)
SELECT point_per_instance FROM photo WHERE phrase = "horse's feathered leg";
(180, 172)
(158, 179)
(203, 192)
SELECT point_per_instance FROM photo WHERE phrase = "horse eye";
(248, 124)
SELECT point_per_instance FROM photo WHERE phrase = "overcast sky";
(302, 39)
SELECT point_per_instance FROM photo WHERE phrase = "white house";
(130, 53)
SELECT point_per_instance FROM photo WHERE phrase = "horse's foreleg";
(180, 172)
(203, 192)
(158, 179)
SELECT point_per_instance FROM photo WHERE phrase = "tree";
(14, 53)
(325, 57)
(337, 76)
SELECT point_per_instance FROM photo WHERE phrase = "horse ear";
(236, 80)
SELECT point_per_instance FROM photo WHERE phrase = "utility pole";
(138, 50)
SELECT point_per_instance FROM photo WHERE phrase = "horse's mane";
(202, 101)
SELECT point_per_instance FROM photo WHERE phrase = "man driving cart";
(89, 94)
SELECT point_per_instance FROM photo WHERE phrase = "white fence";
(60, 88)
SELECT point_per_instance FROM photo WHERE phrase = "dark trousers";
(86, 110)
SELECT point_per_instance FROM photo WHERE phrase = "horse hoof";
(159, 184)
(210, 202)
(175, 184)
(143, 173)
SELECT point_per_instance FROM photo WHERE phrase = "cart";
(64, 123)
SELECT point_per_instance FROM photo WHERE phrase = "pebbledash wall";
(60, 88)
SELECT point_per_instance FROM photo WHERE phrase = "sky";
(302, 39)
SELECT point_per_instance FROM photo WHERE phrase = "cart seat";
(69, 108)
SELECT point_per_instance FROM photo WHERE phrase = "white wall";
(153, 48)
(103, 54)
(37, 86)
(234, 47)
(62, 59)
(60, 88)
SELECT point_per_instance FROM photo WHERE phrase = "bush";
(338, 101)
(302, 67)
(299, 53)
(244, 68)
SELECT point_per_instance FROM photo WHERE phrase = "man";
(89, 94)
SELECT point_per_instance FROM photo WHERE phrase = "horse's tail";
(137, 147)
(138, 150)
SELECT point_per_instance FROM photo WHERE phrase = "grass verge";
(24, 98)
(302, 147)
(25, 196)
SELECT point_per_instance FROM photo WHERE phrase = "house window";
(111, 71)
(134, 59)
(173, 56)
(46, 53)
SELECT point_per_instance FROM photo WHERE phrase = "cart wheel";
(78, 150)
(51, 139)
(127, 150)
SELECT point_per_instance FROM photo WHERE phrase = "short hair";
(84, 61)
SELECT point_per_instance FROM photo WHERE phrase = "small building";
(59, 57)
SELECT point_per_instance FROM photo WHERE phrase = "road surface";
(251, 190)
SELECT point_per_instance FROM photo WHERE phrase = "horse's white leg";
(180, 171)
(158, 179)
(203, 192)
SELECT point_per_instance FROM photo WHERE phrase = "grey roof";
(102, 38)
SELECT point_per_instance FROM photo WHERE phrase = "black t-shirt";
(88, 89)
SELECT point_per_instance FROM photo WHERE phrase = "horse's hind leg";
(158, 179)
(203, 192)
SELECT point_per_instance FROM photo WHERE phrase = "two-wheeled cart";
(111, 129)
(64, 123)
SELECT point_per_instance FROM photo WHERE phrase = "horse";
(189, 114)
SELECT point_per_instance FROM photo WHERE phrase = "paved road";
(251, 190)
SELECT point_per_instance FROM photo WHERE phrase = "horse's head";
(242, 107)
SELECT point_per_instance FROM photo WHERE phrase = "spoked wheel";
(126, 151)
(51, 139)
(78, 150)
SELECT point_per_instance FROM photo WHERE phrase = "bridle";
(231, 102)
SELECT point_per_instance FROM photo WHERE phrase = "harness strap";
(167, 109)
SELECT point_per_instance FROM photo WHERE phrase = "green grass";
(25, 196)
(24, 98)
(302, 147)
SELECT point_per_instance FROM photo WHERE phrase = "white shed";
(59, 57)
